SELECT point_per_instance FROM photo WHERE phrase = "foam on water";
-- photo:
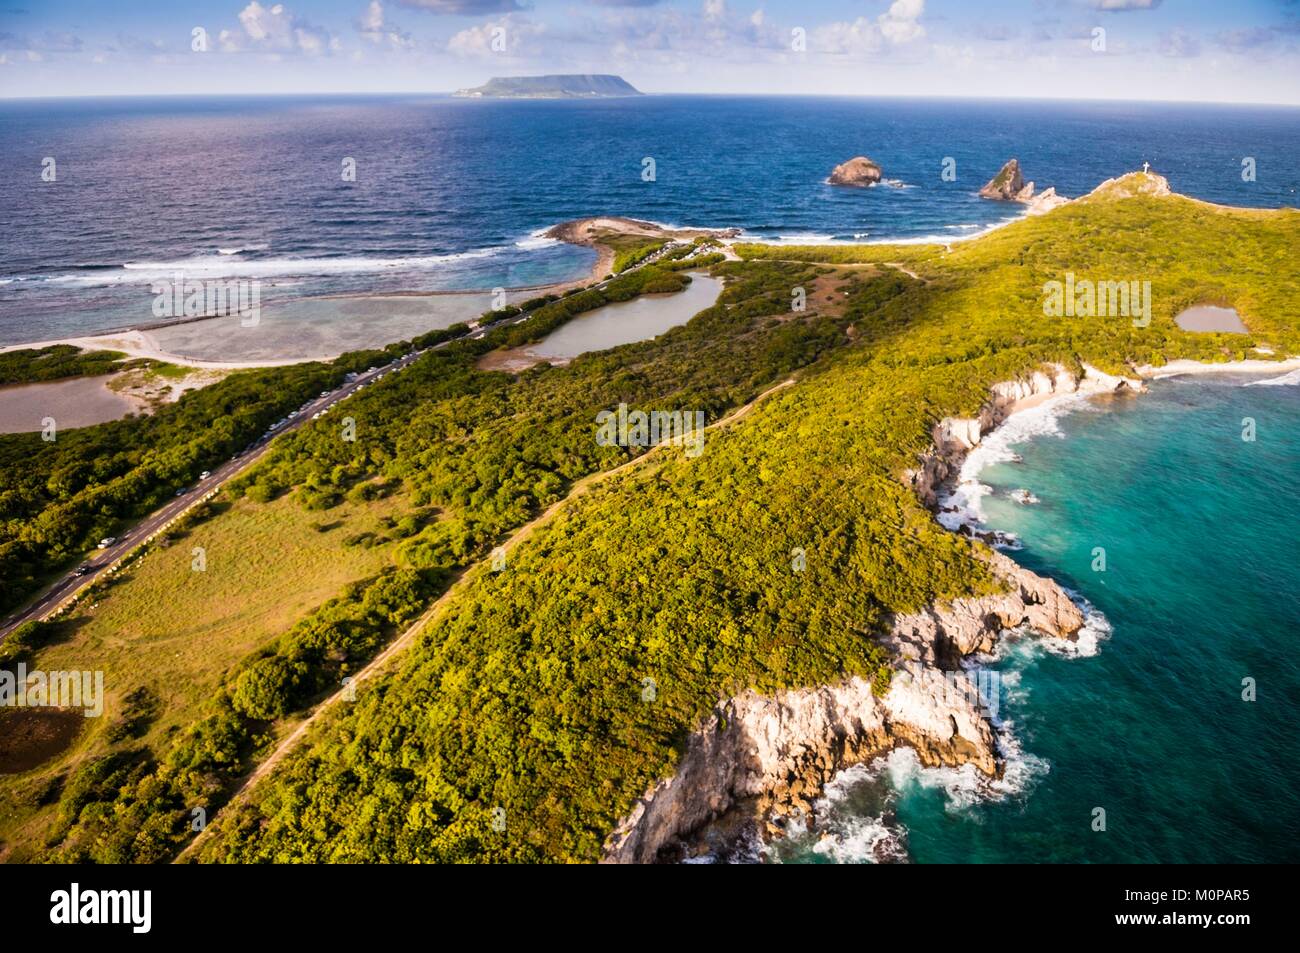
(228, 265)
(1286, 380)
(996, 447)
(839, 830)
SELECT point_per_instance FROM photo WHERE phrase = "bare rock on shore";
(858, 171)
(954, 437)
(778, 752)
(1133, 184)
(600, 229)
(942, 635)
(1045, 201)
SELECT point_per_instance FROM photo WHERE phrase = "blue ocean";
(451, 194)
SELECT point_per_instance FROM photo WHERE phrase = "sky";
(1200, 50)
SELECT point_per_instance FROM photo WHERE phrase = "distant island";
(568, 86)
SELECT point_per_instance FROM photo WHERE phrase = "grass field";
(175, 631)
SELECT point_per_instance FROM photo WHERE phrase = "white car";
(205, 474)
(107, 541)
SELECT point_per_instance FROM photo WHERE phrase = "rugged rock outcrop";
(1008, 185)
(1045, 201)
(858, 171)
(943, 635)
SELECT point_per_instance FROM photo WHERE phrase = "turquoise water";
(1201, 589)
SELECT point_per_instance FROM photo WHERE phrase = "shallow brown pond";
(31, 736)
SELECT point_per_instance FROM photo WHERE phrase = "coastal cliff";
(776, 753)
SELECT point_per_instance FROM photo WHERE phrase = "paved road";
(104, 559)
(101, 561)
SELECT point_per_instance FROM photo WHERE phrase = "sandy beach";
(1174, 368)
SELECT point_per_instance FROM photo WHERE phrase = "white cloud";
(275, 29)
(503, 37)
(855, 39)
(897, 25)
(372, 21)
(463, 7)
(1120, 6)
(371, 25)
(1178, 43)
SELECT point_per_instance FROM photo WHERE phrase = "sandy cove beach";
(1252, 366)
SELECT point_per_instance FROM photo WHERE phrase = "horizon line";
(451, 95)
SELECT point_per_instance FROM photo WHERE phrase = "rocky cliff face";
(859, 171)
(1045, 201)
(779, 752)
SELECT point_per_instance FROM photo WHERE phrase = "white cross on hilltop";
(1145, 166)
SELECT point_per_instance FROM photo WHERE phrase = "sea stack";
(1008, 185)
(858, 171)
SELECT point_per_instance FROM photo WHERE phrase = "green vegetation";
(627, 257)
(30, 365)
(130, 806)
(161, 628)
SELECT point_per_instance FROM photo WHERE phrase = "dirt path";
(398, 645)
(907, 271)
